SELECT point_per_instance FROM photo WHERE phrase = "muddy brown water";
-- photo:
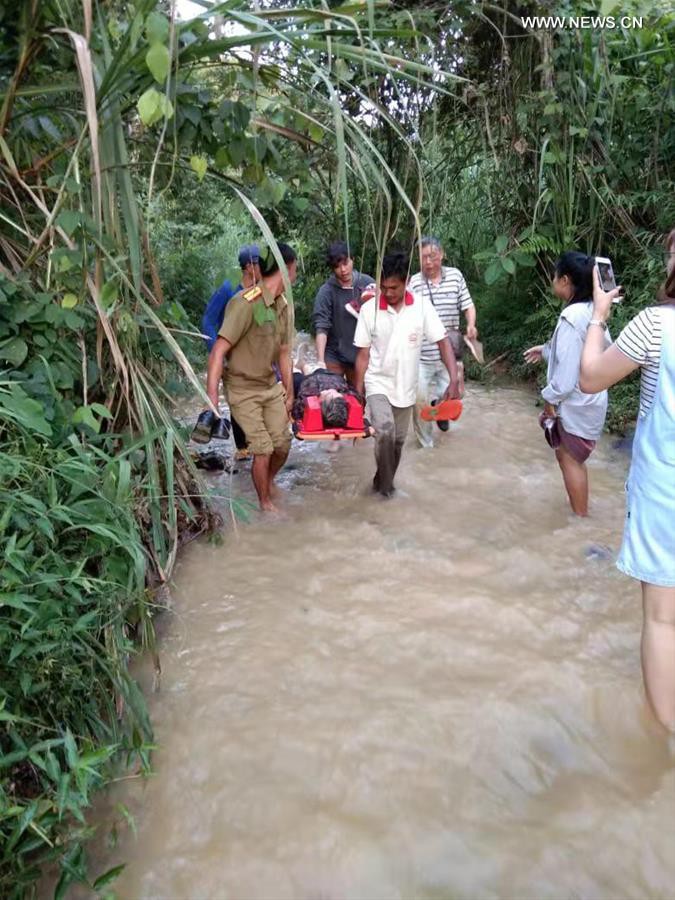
(437, 696)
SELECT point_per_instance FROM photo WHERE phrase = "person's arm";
(321, 340)
(286, 369)
(565, 375)
(434, 332)
(215, 370)
(466, 304)
(236, 322)
(471, 330)
(600, 367)
(362, 341)
(323, 322)
(536, 354)
(360, 366)
(450, 362)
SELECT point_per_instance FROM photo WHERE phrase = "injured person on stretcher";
(327, 407)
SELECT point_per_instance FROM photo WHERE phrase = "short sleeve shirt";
(395, 341)
(257, 325)
(449, 297)
(641, 342)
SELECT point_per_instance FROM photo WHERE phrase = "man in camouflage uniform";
(256, 332)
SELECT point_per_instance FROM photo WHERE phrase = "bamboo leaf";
(86, 71)
(108, 877)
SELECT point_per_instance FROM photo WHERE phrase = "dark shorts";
(556, 436)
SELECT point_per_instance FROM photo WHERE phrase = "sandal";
(446, 410)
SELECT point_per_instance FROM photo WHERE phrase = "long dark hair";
(579, 269)
(667, 292)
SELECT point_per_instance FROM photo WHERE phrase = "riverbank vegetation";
(137, 152)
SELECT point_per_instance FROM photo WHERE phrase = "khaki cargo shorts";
(261, 413)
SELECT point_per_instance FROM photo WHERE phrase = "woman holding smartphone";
(573, 419)
(648, 547)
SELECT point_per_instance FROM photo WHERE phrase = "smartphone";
(607, 279)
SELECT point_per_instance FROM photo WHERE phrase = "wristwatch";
(599, 322)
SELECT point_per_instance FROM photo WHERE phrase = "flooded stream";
(436, 696)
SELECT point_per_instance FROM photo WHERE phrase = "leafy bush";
(83, 530)
(73, 585)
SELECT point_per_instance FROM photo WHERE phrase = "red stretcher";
(310, 427)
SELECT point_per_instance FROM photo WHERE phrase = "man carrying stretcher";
(389, 336)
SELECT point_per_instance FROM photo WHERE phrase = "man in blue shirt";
(249, 259)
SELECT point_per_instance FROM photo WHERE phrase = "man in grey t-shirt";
(336, 311)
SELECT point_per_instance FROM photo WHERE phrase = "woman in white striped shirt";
(648, 547)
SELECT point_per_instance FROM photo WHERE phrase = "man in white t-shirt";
(446, 288)
(389, 335)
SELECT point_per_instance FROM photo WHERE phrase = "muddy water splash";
(435, 696)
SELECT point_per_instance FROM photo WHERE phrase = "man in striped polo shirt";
(445, 287)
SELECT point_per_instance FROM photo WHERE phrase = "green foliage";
(559, 143)
(73, 587)
(196, 242)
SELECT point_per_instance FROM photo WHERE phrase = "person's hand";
(289, 405)
(534, 354)
(550, 411)
(602, 300)
(471, 332)
(452, 392)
